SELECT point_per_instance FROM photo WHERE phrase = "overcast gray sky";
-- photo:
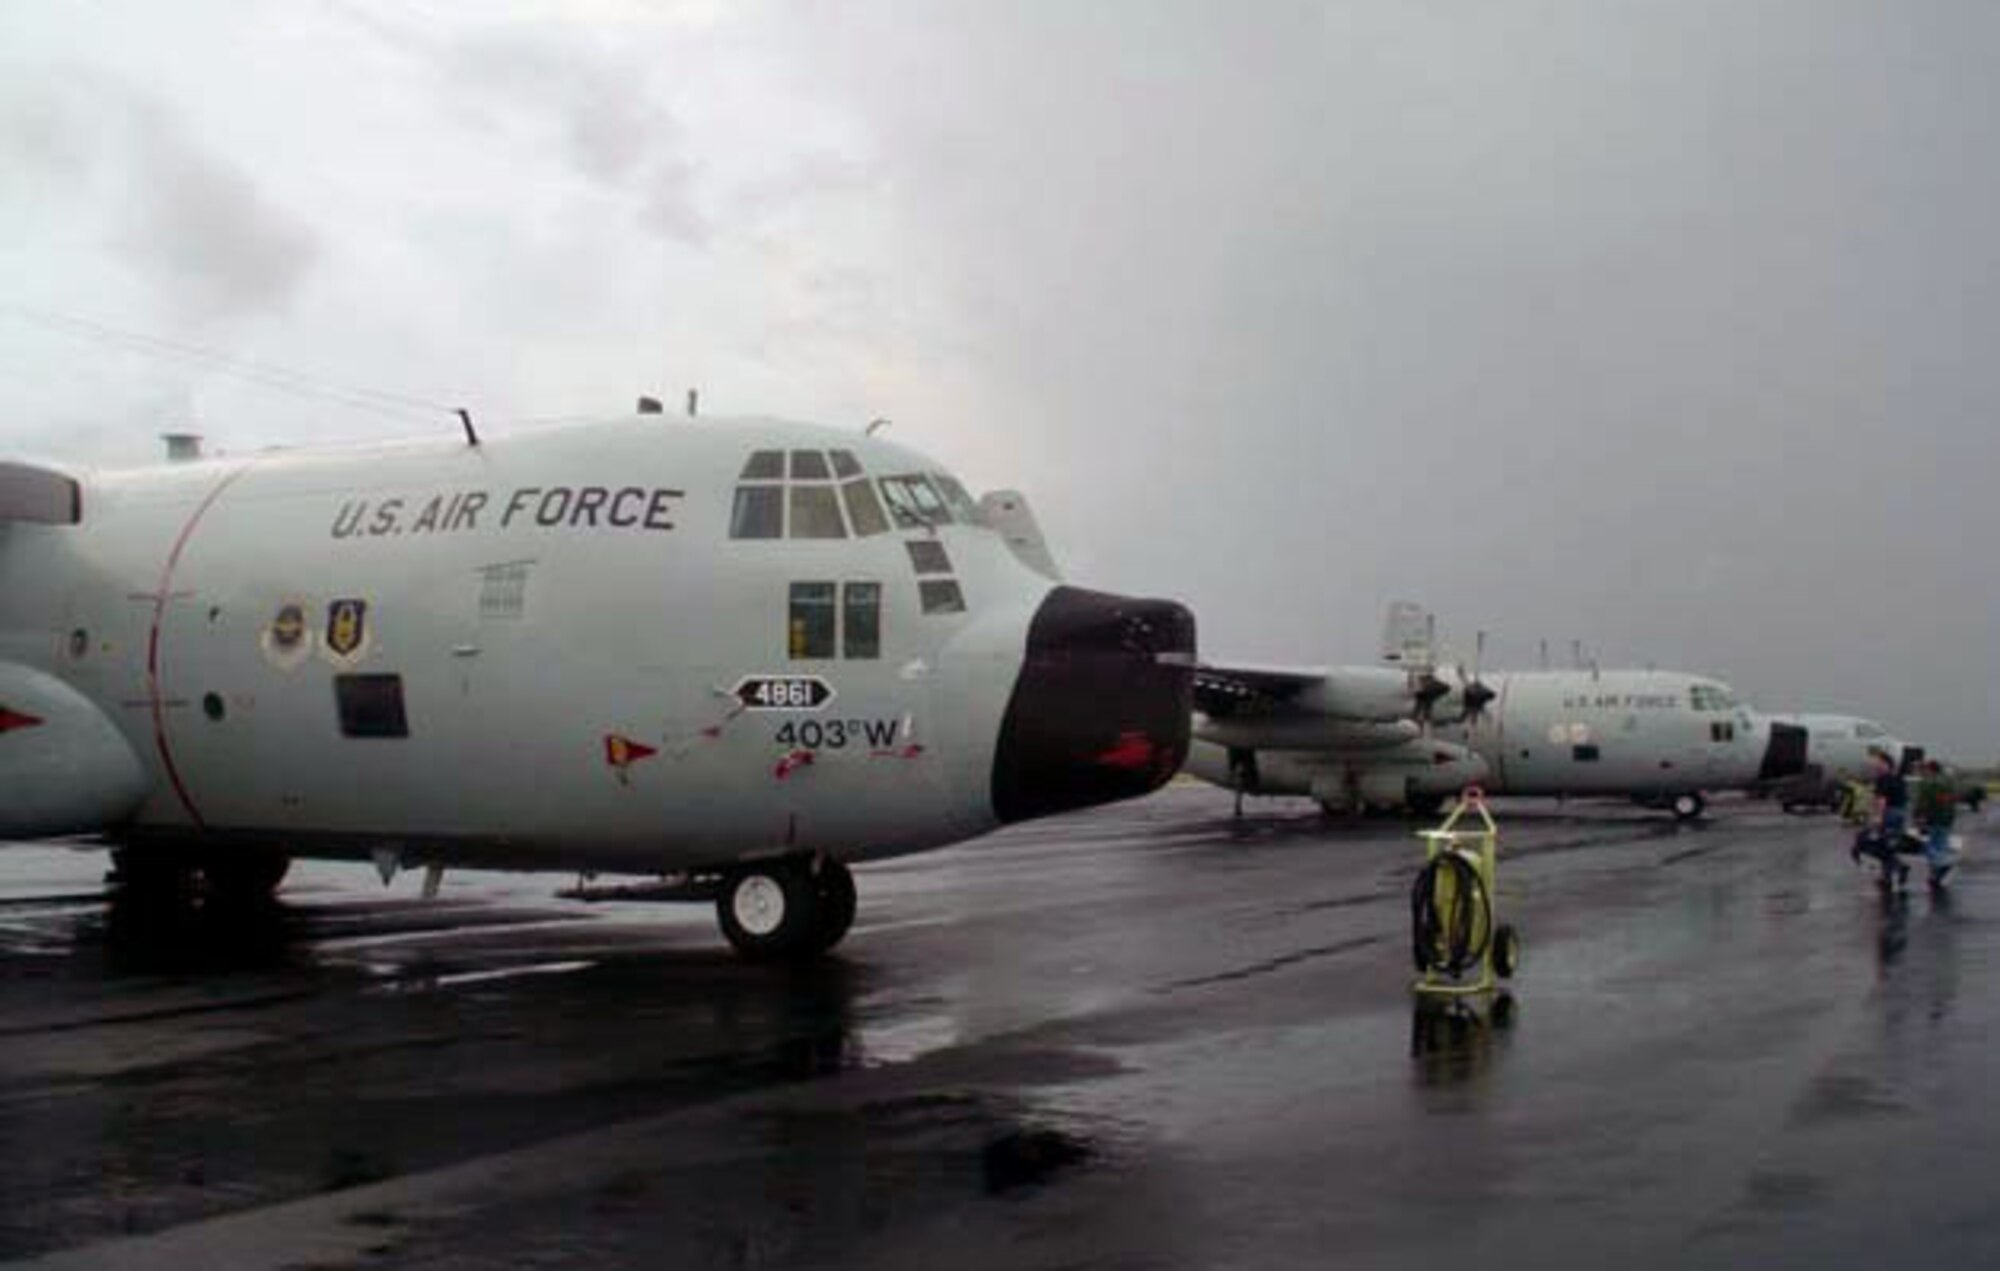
(1665, 326)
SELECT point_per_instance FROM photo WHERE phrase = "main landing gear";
(169, 879)
(793, 907)
(1686, 807)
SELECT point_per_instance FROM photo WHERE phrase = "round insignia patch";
(287, 640)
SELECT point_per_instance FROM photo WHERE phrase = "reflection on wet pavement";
(1147, 1036)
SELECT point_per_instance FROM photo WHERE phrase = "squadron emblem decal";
(346, 639)
(286, 640)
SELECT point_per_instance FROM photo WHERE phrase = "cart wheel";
(1506, 951)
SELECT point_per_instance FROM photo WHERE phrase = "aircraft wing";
(1221, 691)
(1367, 694)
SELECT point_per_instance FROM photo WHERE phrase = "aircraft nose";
(1785, 753)
(1100, 710)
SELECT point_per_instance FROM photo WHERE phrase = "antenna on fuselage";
(651, 406)
(1545, 653)
(465, 417)
(694, 401)
(874, 426)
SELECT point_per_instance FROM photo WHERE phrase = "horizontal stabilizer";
(40, 496)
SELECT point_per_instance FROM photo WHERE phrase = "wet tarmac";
(1146, 1036)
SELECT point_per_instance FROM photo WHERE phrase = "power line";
(269, 375)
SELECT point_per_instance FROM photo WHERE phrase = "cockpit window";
(863, 508)
(1710, 697)
(801, 483)
(914, 502)
(759, 512)
(927, 556)
(765, 465)
(960, 502)
(813, 618)
(816, 512)
(861, 620)
(845, 465)
(940, 595)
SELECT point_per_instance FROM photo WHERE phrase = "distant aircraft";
(740, 654)
(1662, 738)
(1839, 746)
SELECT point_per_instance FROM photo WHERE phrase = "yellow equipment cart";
(1459, 947)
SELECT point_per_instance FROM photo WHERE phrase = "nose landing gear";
(792, 907)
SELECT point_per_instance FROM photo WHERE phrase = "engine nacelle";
(64, 766)
(1450, 770)
(1304, 732)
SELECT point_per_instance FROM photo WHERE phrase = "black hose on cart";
(1451, 916)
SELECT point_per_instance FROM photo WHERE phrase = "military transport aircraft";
(740, 654)
(1407, 736)
(1840, 747)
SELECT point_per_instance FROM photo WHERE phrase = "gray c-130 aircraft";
(1412, 733)
(738, 654)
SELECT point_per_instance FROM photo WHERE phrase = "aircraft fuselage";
(643, 646)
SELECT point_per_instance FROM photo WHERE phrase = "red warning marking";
(792, 763)
(11, 720)
(1135, 750)
(622, 752)
(910, 751)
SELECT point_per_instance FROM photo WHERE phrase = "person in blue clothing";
(1937, 809)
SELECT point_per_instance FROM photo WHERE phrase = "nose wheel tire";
(786, 909)
(1687, 807)
(835, 898)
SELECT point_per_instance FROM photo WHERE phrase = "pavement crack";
(255, 1001)
(1272, 964)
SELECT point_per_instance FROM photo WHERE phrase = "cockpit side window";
(809, 465)
(927, 556)
(845, 465)
(940, 595)
(960, 502)
(914, 502)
